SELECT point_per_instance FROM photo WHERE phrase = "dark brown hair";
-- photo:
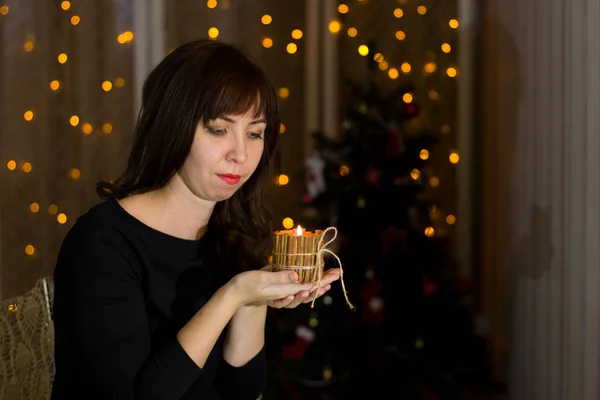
(201, 81)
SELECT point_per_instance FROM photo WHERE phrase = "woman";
(161, 290)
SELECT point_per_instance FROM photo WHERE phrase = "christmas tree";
(411, 332)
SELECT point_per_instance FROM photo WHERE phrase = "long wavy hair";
(200, 81)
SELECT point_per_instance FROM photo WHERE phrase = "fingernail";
(293, 276)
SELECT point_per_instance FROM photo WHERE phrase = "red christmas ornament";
(373, 176)
(430, 288)
(411, 110)
(395, 144)
(373, 310)
(304, 337)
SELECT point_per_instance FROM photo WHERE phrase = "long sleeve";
(246, 382)
(100, 307)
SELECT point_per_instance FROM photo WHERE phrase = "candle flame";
(299, 231)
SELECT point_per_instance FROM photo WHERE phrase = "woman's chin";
(222, 195)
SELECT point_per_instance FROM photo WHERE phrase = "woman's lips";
(229, 179)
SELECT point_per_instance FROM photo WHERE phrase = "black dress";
(122, 292)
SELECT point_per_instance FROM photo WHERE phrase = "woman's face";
(224, 154)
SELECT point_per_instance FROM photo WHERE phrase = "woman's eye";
(216, 132)
(255, 135)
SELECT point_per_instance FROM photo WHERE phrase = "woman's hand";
(307, 296)
(264, 286)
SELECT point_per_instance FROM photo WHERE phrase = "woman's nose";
(238, 151)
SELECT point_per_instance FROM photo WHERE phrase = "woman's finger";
(286, 289)
(298, 299)
(281, 303)
(330, 276)
(320, 293)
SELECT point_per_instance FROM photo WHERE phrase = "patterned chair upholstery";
(27, 344)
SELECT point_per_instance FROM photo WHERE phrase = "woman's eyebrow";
(255, 122)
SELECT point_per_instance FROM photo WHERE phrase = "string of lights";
(290, 44)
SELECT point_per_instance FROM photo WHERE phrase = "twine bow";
(322, 250)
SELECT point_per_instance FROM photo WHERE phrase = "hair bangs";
(243, 91)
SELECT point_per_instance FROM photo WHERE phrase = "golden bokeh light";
(29, 250)
(454, 158)
(287, 223)
(297, 34)
(75, 173)
(267, 43)
(335, 26)
(28, 46)
(343, 9)
(266, 19)
(430, 67)
(283, 92)
(86, 128)
(61, 218)
(213, 33)
(291, 48)
(283, 180)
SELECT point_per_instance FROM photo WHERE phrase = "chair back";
(27, 344)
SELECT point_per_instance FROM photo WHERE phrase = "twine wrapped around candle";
(305, 255)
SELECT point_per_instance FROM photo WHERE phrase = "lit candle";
(298, 250)
(302, 251)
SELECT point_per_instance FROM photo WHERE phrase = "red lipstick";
(230, 179)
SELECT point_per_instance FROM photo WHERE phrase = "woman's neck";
(173, 210)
